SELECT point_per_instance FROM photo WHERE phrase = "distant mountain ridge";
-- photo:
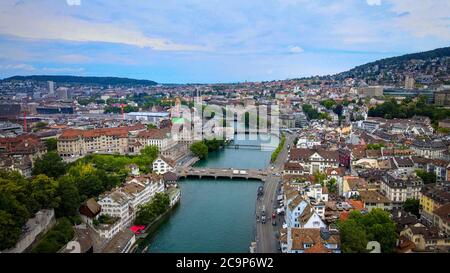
(82, 80)
(434, 63)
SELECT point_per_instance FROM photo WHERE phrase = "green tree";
(412, 206)
(44, 191)
(52, 144)
(319, 177)
(428, 178)
(377, 225)
(70, 197)
(10, 230)
(353, 237)
(40, 125)
(151, 152)
(148, 212)
(56, 238)
(51, 164)
(199, 149)
(332, 185)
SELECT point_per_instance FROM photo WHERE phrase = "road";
(266, 241)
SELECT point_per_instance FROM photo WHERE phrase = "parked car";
(274, 223)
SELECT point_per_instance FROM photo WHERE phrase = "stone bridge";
(223, 173)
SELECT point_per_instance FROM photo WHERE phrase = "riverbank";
(143, 240)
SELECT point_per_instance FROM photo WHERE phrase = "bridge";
(250, 146)
(222, 173)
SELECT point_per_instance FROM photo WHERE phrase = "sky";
(211, 41)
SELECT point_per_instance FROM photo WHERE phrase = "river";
(216, 215)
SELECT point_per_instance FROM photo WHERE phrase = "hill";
(429, 67)
(82, 80)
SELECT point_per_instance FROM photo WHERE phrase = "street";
(266, 240)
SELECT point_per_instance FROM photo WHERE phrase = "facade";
(313, 160)
(374, 199)
(160, 138)
(433, 196)
(442, 98)
(123, 202)
(75, 143)
(309, 240)
(399, 190)
(429, 149)
(162, 165)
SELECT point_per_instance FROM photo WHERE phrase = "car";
(274, 223)
(263, 219)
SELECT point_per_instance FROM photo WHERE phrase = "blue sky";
(205, 41)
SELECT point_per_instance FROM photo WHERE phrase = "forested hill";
(431, 66)
(82, 80)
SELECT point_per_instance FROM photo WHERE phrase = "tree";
(338, 110)
(199, 149)
(10, 230)
(52, 144)
(44, 191)
(70, 197)
(353, 237)
(151, 152)
(40, 125)
(152, 126)
(328, 103)
(428, 178)
(412, 206)
(319, 177)
(88, 182)
(56, 238)
(332, 185)
(377, 225)
(51, 164)
(148, 212)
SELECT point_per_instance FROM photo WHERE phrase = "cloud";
(373, 2)
(73, 2)
(296, 49)
(23, 67)
(423, 18)
(46, 26)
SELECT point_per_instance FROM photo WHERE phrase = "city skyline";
(212, 41)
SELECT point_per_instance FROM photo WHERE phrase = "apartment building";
(74, 143)
(123, 202)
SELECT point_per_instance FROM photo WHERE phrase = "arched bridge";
(222, 173)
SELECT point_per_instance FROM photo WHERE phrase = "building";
(51, 88)
(122, 242)
(442, 98)
(441, 219)
(161, 165)
(122, 203)
(64, 94)
(409, 82)
(398, 190)
(433, 196)
(309, 240)
(54, 110)
(371, 91)
(426, 239)
(313, 160)
(374, 199)
(74, 143)
(429, 148)
(147, 117)
(89, 211)
(160, 138)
